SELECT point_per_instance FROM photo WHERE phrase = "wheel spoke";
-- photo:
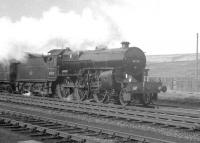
(82, 94)
(101, 97)
(123, 98)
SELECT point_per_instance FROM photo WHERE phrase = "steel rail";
(46, 124)
(167, 120)
(131, 108)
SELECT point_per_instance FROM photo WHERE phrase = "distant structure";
(197, 58)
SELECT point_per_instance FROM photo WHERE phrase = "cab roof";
(56, 51)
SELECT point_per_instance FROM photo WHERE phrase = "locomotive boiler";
(102, 75)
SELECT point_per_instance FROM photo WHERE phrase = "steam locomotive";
(102, 75)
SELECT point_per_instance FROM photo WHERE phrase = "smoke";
(100, 23)
(157, 27)
(56, 29)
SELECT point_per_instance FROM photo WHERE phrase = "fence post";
(172, 84)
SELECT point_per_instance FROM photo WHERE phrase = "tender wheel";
(146, 99)
(101, 97)
(9, 89)
(25, 90)
(124, 98)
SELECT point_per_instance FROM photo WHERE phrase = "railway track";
(65, 131)
(154, 116)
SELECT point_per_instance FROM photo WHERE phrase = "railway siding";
(191, 122)
(68, 130)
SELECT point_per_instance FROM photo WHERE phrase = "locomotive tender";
(104, 75)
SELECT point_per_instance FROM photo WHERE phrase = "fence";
(179, 83)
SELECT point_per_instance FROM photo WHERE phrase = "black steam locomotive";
(102, 75)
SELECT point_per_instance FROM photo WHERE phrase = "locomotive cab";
(54, 61)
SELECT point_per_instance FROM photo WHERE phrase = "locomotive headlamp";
(128, 77)
(164, 88)
(134, 88)
(136, 61)
(160, 88)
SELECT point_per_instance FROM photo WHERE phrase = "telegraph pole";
(197, 57)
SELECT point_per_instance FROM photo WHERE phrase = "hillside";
(178, 65)
(172, 69)
(171, 58)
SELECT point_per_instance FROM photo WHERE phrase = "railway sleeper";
(35, 131)
(49, 125)
(14, 127)
(30, 120)
(93, 104)
(21, 129)
(6, 125)
(65, 129)
(56, 127)
(90, 112)
(90, 133)
(150, 116)
(76, 131)
(70, 130)
(64, 141)
(38, 122)
(52, 137)
(39, 134)
(105, 133)
(173, 123)
(4, 122)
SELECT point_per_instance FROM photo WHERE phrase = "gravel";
(190, 136)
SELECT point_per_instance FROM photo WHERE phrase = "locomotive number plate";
(51, 73)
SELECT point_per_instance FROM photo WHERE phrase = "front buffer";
(140, 92)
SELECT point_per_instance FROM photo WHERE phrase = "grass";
(172, 69)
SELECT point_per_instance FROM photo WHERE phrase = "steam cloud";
(55, 29)
(158, 27)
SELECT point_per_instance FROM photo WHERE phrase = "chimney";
(125, 44)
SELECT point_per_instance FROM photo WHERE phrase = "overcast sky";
(156, 26)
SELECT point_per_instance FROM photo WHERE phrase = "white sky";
(156, 26)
